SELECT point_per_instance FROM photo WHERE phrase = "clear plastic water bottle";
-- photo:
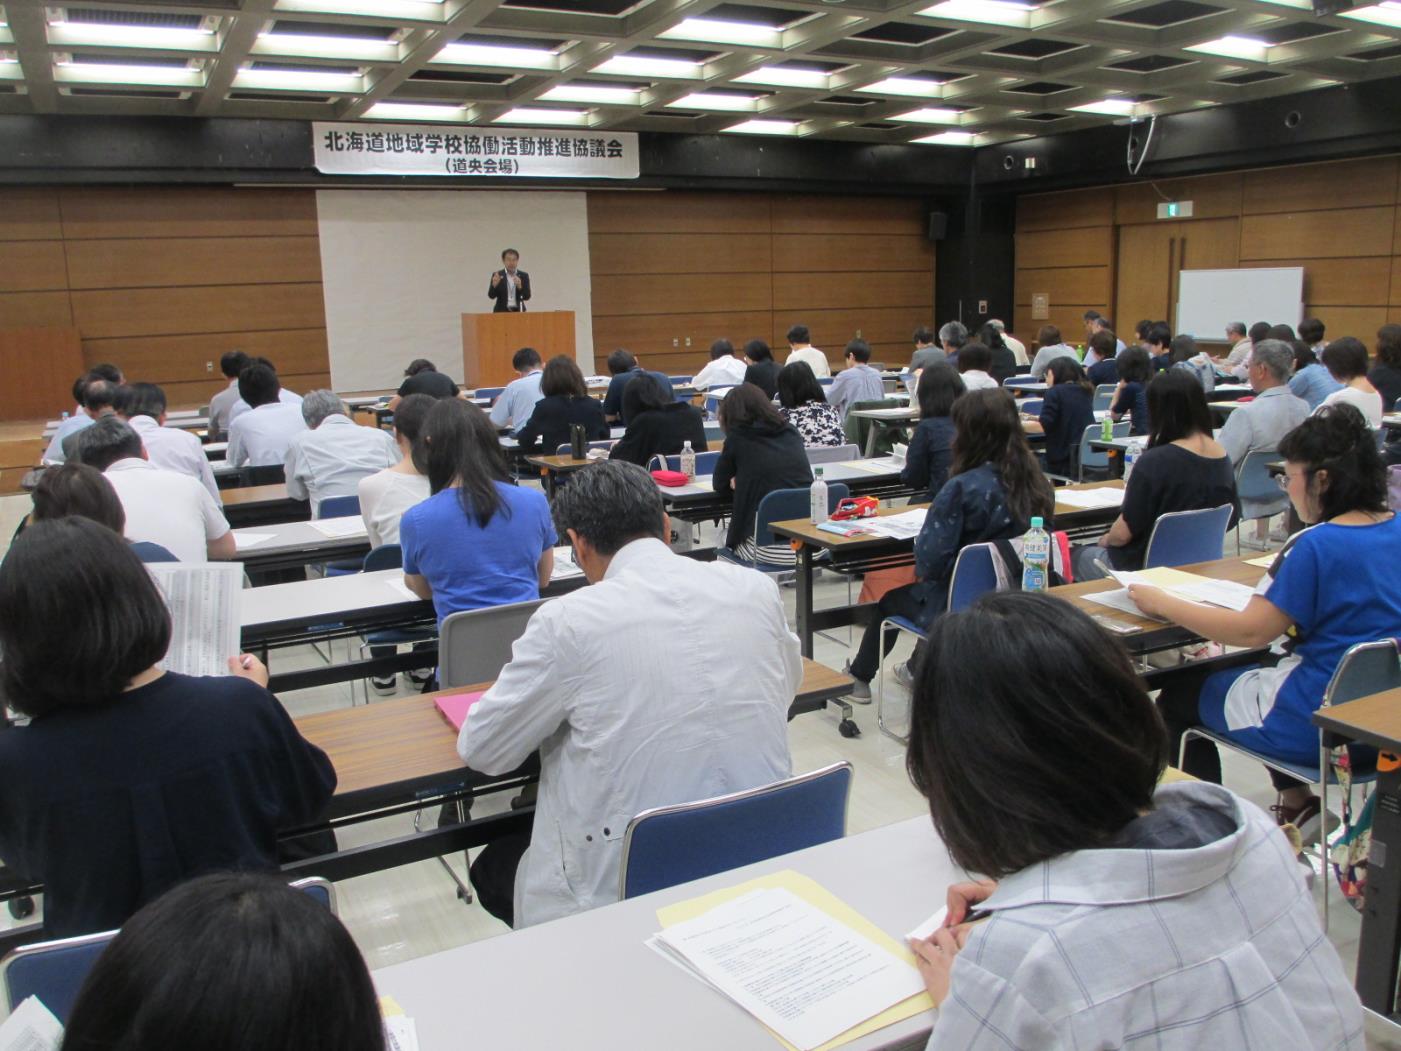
(688, 462)
(817, 498)
(1036, 557)
(1131, 455)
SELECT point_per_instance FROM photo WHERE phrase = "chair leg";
(885, 626)
(1323, 824)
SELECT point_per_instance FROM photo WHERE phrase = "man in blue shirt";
(515, 404)
(857, 382)
(623, 366)
(97, 397)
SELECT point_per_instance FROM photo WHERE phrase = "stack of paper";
(243, 539)
(904, 526)
(879, 465)
(205, 602)
(31, 1027)
(1106, 496)
(336, 528)
(400, 1034)
(1226, 593)
(795, 958)
(565, 567)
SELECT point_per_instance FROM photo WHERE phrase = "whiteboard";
(1209, 300)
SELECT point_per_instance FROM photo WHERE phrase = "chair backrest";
(1030, 406)
(266, 474)
(386, 556)
(1367, 668)
(825, 381)
(705, 462)
(474, 645)
(488, 392)
(832, 453)
(1183, 537)
(1104, 396)
(974, 575)
(1255, 484)
(1099, 457)
(338, 507)
(564, 448)
(53, 971)
(782, 505)
(1020, 380)
(674, 844)
(318, 889)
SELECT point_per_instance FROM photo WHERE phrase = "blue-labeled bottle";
(1036, 557)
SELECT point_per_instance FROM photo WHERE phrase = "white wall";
(400, 267)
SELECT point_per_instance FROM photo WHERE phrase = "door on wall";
(1151, 255)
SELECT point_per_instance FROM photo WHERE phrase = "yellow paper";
(1264, 561)
(816, 895)
(389, 1007)
(1172, 775)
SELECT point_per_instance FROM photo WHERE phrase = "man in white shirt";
(801, 349)
(1016, 346)
(260, 437)
(283, 394)
(162, 507)
(515, 404)
(974, 360)
(142, 406)
(857, 382)
(722, 370)
(221, 405)
(667, 681)
(97, 398)
(331, 456)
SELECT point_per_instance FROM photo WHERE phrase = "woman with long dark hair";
(802, 403)
(931, 446)
(657, 423)
(1066, 411)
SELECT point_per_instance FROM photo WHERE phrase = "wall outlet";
(209, 366)
(676, 343)
(688, 341)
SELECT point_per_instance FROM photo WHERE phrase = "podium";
(490, 340)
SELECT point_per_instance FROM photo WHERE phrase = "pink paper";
(455, 706)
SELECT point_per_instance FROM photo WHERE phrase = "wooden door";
(1151, 255)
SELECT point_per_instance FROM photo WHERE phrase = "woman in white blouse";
(1346, 361)
(387, 494)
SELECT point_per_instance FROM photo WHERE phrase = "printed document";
(31, 1027)
(1106, 496)
(205, 602)
(243, 539)
(336, 528)
(904, 526)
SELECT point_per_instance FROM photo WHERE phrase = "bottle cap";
(1036, 522)
(818, 472)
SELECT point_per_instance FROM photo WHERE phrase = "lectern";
(490, 340)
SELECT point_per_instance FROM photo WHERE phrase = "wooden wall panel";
(808, 253)
(653, 333)
(1064, 211)
(180, 311)
(1212, 197)
(1361, 322)
(47, 359)
(1068, 286)
(32, 266)
(867, 216)
(615, 294)
(29, 214)
(1395, 299)
(164, 211)
(1337, 233)
(135, 263)
(194, 393)
(1084, 246)
(677, 254)
(35, 310)
(894, 288)
(183, 358)
(832, 329)
(1339, 282)
(1317, 187)
(626, 211)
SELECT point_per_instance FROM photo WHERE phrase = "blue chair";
(705, 462)
(676, 844)
(1255, 485)
(390, 556)
(488, 392)
(974, 574)
(1366, 668)
(340, 507)
(1180, 538)
(1030, 406)
(818, 454)
(1104, 397)
(1098, 459)
(54, 971)
(781, 505)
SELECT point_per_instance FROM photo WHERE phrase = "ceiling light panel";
(764, 127)
(154, 38)
(599, 94)
(415, 111)
(911, 86)
(1234, 47)
(931, 115)
(285, 40)
(991, 12)
(950, 138)
(1388, 14)
(399, 10)
(67, 70)
(716, 31)
(499, 56)
(1107, 108)
(715, 100)
(538, 116)
(338, 81)
(645, 66)
(779, 77)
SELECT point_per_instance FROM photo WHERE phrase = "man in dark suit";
(510, 287)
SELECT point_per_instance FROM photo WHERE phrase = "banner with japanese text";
(417, 149)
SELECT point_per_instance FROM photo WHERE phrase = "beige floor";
(414, 911)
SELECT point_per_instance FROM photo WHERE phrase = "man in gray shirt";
(927, 352)
(857, 382)
(1051, 347)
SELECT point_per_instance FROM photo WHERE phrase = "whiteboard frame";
(1298, 317)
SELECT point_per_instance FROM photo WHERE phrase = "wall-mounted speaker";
(938, 225)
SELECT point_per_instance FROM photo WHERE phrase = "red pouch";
(670, 479)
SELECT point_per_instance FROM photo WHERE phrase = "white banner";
(469, 152)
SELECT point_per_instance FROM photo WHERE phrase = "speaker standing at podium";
(510, 286)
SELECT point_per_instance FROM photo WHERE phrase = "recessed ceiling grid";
(956, 72)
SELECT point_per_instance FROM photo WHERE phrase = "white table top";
(588, 982)
(1030, 387)
(907, 413)
(296, 536)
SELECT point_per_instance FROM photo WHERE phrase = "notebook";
(455, 706)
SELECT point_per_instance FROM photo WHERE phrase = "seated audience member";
(657, 423)
(995, 489)
(623, 366)
(1093, 326)
(1240, 347)
(142, 406)
(1283, 333)
(1385, 376)
(162, 507)
(1135, 369)
(952, 335)
(761, 369)
(1311, 331)
(97, 398)
(1157, 344)
(287, 974)
(564, 402)
(800, 348)
(285, 396)
(231, 363)
(1311, 380)
(931, 446)
(618, 735)
(514, 405)
(1067, 410)
(334, 452)
(165, 776)
(260, 437)
(1105, 369)
(1090, 317)
(478, 540)
(1051, 346)
(927, 351)
(1183, 355)
(857, 382)
(1012, 343)
(1183, 469)
(1334, 585)
(1093, 899)
(81, 491)
(1259, 332)
(1258, 425)
(762, 453)
(802, 402)
(722, 370)
(1346, 360)
(1002, 362)
(387, 494)
(1140, 333)
(423, 377)
(973, 361)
